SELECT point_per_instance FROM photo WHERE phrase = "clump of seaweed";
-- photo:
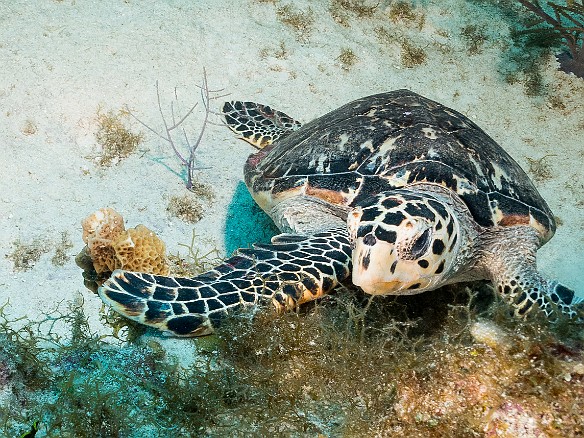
(347, 59)
(186, 153)
(300, 21)
(203, 191)
(565, 22)
(475, 37)
(189, 207)
(405, 12)
(349, 365)
(195, 261)
(116, 140)
(540, 169)
(85, 386)
(356, 366)
(25, 255)
(61, 255)
(385, 36)
(186, 208)
(528, 72)
(361, 8)
(412, 56)
(341, 9)
(280, 52)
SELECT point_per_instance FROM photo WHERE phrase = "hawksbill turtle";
(398, 191)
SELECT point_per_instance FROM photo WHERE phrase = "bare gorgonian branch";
(184, 150)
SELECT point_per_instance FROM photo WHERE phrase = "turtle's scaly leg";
(511, 263)
(292, 270)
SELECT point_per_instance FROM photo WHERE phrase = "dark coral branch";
(568, 22)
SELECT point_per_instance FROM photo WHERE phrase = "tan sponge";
(139, 249)
(110, 246)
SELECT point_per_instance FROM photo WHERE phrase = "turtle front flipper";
(528, 291)
(286, 274)
(511, 262)
(257, 124)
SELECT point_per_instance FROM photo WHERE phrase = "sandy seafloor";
(63, 61)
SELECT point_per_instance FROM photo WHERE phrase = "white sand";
(62, 61)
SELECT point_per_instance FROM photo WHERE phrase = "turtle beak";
(380, 288)
(371, 266)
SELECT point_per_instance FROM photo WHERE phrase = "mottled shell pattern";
(391, 140)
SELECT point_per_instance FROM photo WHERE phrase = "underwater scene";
(310, 218)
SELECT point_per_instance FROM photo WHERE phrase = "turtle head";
(403, 243)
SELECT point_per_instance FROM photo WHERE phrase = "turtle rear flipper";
(257, 124)
(286, 274)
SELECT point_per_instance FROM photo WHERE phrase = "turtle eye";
(421, 244)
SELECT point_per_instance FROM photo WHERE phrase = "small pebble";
(488, 333)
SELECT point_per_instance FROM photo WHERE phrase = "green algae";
(348, 365)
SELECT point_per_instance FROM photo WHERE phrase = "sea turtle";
(402, 192)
